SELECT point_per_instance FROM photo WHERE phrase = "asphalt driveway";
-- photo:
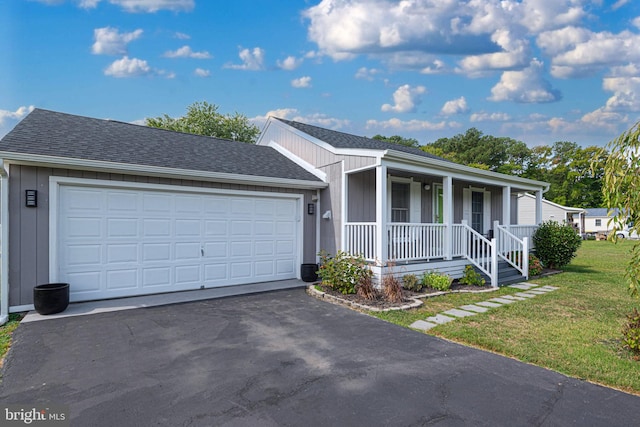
(283, 358)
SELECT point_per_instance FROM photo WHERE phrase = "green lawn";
(575, 330)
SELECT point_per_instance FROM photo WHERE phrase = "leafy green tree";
(621, 186)
(203, 118)
(397, 139)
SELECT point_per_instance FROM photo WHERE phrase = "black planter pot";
(51, 298)
(308, 272)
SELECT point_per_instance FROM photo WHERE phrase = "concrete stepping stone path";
(530, 291)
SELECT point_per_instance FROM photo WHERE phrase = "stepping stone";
(523, 286)
(440, 319)
(511, 297)
(525, 294)
(475, 308)
(538, 292)
(549, 287)
(459, 313)
(422, 325)
(489, 304)
(502, 300)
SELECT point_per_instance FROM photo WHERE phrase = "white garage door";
(115, 242)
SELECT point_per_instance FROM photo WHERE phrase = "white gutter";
(93, 165)
(4, 244)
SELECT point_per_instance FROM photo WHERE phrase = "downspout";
(4, 243)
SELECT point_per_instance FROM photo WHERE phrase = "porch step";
(506, 274)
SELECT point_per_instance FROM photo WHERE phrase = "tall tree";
(203, 118)
(397, 139)
(621, 188)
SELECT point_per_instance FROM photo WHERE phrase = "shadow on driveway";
(283, 358)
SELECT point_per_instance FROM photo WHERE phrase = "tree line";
(574, 172)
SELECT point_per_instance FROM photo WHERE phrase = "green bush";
(343, 272)
(631, 332)
(411, 283)
(556, 244)
(435, 280)
(471, 277)
(535, 266)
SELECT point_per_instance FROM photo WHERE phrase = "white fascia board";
(134, 169)
(4, 241)
(565, 208)
(301, 162)
(357, 152)
(467, 172)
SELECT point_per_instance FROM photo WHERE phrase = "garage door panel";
(123, 242)
(122, 253)
(122, 227)
(122, 279)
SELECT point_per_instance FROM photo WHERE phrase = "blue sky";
(539, 71)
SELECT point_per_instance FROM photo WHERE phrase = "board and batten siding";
(361, 196)
(310, 152)
(29, 232)
(330, 200)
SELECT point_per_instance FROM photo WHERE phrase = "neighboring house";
(118, 210)
(550, 212)
(596, 220)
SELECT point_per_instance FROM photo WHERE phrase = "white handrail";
(512, 249)
(360, 239)
(481, 252)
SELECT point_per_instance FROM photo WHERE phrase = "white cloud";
(578, 52)
(526, 86)
(436, 67)
(455, 106)
(636, 22)
(626, 93)
(489, 117)
(290, 63)
(201, 72)
(365, 73)
(8, 119)
(515, 54)
(410, 125)
(252, 60)
(302, 82)
(152, 6)
(186, 52)
(128, 67)
(108, 41)
(88, 4)
(293, 114)
(619, 4)
(405, 98)
(181, 36)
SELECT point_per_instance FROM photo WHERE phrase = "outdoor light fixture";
(31, 198)
(311, 208)
(427, 187)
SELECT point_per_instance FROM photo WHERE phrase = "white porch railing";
(481, 252)
(522, 231)
(513, 250)
(409, 242)
(361, 239)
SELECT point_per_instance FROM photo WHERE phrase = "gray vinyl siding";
(29, 227)
(310, 152)
(330, 200)
(514, 208)
(361, 196)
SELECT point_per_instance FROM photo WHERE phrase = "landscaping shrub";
(438, 281)
(391, 288)
(535, 266)
(556, 244)
(411, 283)
(471, 277)
(365, 288)
(631, 333)
(342, 272)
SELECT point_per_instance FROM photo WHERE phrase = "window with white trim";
(400, 199)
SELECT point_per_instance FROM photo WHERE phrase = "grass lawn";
(575, 330)
(5, 334)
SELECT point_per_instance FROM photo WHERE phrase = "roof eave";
(157, 171)
(443, 164)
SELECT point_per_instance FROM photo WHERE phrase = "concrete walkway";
(529, 290)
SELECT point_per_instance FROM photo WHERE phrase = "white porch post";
(538, 207)
(506, 206)
(381, 213)
(447, 214)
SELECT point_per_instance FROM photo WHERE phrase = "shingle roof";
(599, 212)
(51, 133)
(345, 140)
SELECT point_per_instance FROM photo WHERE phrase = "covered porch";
(408, 219)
